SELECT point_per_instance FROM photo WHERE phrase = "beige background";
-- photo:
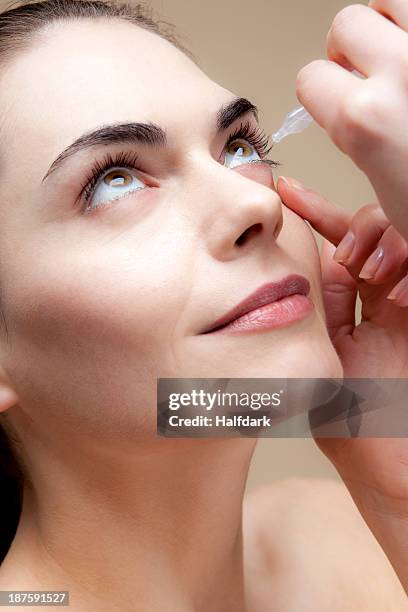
(255, 49)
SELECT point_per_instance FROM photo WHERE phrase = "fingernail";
(400, 293)
(344, 249)
(372, 264)
(293, 183)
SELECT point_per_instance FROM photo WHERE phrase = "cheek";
(88, 332)
(105, 302)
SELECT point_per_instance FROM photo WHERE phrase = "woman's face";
(99, 304)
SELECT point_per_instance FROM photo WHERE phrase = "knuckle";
(355, 109)
(341, 22)
(360, 119)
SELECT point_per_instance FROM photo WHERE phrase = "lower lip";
(281, 313)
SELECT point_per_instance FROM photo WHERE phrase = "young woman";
(137, 207)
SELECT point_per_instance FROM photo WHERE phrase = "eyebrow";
(146, 133)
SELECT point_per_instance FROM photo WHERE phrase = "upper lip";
(267, 293)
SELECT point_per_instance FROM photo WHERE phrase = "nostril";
(250, 231)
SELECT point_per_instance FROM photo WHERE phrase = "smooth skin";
(367, 120)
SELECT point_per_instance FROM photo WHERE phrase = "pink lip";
(272, 305)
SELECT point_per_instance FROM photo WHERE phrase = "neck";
(163, 527)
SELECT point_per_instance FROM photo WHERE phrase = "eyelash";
(254, 135)
(124, 160)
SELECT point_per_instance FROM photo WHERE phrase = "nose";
(243, 211)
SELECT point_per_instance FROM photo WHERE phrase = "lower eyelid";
(90, 209)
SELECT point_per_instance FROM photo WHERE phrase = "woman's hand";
(367, 118)
(372, 261)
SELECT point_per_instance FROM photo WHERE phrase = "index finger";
(395, 10)
(327, 218)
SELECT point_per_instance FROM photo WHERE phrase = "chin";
(307, 352)
(323, 364)
(313, 357)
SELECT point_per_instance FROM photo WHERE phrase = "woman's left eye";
(240, 152)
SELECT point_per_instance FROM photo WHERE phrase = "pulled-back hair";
(20, 25)
(22, 21)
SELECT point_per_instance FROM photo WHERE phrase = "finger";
(339, 294)
(386, 260)
(327, 218)
(399, 294)
(352, 34)
(366, 228)
(321, 86)
(392, 9)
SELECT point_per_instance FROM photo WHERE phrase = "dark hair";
(20, 23)
(22, 20)
(11, 483)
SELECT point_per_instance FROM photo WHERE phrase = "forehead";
(81, 74)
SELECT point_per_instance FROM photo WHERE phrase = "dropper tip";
(275, 138)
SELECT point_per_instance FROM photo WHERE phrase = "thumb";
(339, 294)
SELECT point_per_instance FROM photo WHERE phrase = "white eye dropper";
(295, 122)
(298, 119)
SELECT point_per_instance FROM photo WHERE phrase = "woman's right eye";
(240, 152)
(115, 184)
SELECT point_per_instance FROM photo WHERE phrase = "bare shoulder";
(306, 546)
